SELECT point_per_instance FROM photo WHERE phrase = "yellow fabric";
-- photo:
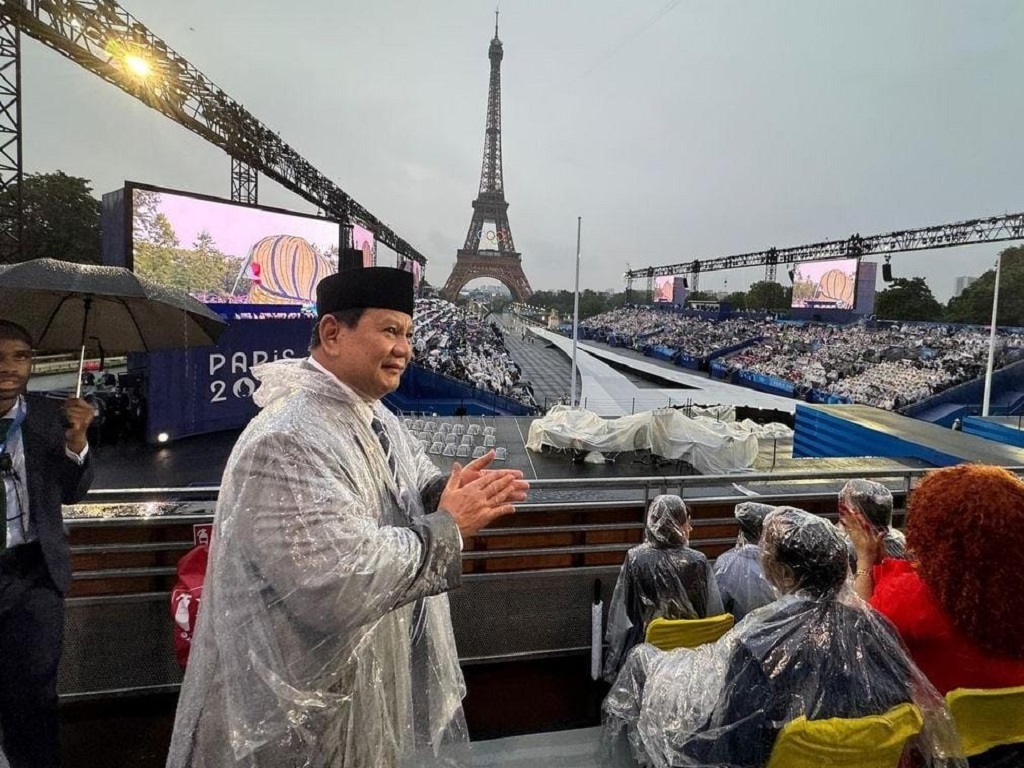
(667, 634)
(875, 741)
(987, 718)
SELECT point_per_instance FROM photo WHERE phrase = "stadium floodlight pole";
(576, 310)
(992, 341)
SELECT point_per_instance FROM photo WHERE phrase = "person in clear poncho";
(661, 577)
(874, 502)
(817, 651)
(741, 580)
(324, 636)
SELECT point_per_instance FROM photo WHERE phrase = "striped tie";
(5, 426)
(385, 443)
(419, 615)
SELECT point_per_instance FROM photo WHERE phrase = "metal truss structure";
(501, 261)
(993, 229)
(104, 38)
(245, 182)
(11, 207)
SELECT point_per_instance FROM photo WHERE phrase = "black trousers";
(31, 634)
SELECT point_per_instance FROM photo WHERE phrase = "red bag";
(185, 599)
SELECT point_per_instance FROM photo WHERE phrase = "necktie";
(5, 426)
(418, 614)
(385, 443)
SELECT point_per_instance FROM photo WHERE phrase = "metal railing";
(152, 499)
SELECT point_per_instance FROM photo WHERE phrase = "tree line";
(62, 220)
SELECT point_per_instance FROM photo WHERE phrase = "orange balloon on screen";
(837, 285)
(289, 270)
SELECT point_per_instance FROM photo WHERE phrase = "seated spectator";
(873, 501)
(661, 577)
(738, 572)
(816, 652)
(960, 607)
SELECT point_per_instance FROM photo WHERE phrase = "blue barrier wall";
(819, 435)
(426, 391)
(764, 383)
(684, 360)
(993, 430)
(734, 348)
(209, 389)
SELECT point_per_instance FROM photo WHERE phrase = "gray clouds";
(723, 127)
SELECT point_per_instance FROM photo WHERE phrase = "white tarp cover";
(711, 446)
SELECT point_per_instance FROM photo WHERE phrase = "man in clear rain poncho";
(661, 577)
(738, 572)
(324, 637)
(817, 651)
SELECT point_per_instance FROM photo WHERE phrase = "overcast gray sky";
(677, 130)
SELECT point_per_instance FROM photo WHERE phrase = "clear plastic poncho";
(874, 501)
(661, 577)
(741, 580)
(818, 651)
(324, 636)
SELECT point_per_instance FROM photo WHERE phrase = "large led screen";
(825, 284)
(223, 252)
(362, 241)
(663, 289)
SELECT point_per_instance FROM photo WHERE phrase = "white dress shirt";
(19, 525)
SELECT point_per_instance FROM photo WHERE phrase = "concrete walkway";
(544, 366)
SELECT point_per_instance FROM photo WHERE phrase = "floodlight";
(137, 65)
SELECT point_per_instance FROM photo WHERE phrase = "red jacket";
(946, 656)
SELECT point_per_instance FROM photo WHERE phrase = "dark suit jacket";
(53, 479)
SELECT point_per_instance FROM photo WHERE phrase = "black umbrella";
(62, 304)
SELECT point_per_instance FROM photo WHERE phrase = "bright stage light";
(137, 65)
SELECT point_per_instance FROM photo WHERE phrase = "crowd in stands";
(886, 367)
(455, 343)
(831, 621)
(694, 336)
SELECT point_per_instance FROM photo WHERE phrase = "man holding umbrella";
(43, 464)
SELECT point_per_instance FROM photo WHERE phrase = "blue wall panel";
(820, 434)
(209, 389)
(993, 430)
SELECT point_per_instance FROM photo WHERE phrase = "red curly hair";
(965, 524)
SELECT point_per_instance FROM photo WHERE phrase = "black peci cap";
(368, 288)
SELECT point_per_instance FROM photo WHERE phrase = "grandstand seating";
(890, 366)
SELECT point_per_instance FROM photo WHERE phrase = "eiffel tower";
(489, 250)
